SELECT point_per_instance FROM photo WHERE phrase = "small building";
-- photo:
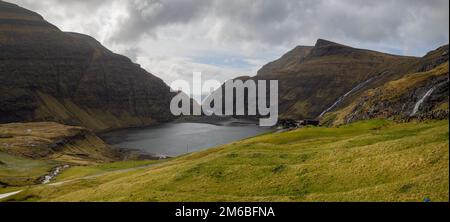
(309, 122)
(290, 123)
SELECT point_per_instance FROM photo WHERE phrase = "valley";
(79, 122)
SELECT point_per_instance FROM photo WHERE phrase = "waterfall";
(425, 97)
(356, 88)
(419, 103)
(53, 174)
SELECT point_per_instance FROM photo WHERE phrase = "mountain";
(317, 80)
(324, 73)
(50, 75)
(287, 61)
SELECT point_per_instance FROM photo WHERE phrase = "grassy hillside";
(29, 151)
(374, 160)
(18, 171)
(396, 99)
(49, 140)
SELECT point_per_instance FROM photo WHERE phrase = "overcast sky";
(228, 38)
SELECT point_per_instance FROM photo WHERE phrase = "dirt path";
(5, 195)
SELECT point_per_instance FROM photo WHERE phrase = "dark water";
(173, 139)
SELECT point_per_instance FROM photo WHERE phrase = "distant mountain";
(317, 80)
(50, 75)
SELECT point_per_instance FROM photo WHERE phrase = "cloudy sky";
(228, 38)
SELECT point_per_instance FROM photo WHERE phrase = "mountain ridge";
(312, 78)
(70, 78)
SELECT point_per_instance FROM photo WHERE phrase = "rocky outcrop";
(50, 75)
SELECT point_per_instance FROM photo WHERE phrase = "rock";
(435, 114)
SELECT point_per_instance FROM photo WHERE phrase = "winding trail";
(5, 195)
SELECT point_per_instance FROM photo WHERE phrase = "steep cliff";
(50, 75)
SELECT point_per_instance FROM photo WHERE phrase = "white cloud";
(229, 38)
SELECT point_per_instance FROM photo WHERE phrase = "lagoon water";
(174, 139)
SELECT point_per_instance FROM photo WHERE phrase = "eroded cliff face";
(50, 75)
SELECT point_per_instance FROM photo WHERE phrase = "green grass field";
(86, 171)
(18, 171)
(373, 160)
